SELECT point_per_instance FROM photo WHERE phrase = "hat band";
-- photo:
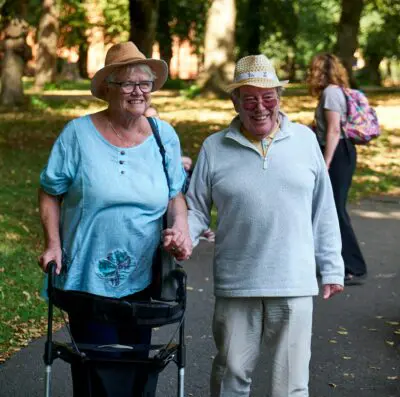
(255, 75)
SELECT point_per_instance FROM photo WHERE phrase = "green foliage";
(38, 103)
(27, 10)
(380, 29)
(175, 84)
(185, 19)
(191, 92)
(81, 84)
(291, 30)
(116, 19)
(73, 23)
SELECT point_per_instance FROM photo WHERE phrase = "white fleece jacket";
(276, 216)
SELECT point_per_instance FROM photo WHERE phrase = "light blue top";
(276, 215)
(113, 202)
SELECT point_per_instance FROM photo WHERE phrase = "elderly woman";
(104, 192)
(327, 76)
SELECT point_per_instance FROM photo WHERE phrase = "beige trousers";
(239, 327)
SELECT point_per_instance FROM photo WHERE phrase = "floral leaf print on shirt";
(115, 268)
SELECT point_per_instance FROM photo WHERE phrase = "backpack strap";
(157, 137)
(343, 121)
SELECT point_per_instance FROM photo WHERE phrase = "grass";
(26, 137)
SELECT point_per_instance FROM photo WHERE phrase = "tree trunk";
(219, 46)
(347, 33)
(291, 64)
(143, 17)
(164, 32)
(16, 54)
(82, 61)
(47, 51)
(253, 23)
(372, 70)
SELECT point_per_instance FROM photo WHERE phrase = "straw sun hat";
(255, 70)
(127, 54)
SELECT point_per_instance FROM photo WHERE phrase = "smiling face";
(134, 103)
(258, 109)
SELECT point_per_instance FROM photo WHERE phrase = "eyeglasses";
(252, 103)
(127, 87)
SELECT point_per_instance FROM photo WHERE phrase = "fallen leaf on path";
(346, 358)
(392, 323)
(392, 377)
(333, 385)
(389, 342)
(333, 341)
(342, 332)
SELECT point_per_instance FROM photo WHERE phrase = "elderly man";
(276, 222)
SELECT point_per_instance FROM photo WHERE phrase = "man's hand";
(177, 243)
(332, 289)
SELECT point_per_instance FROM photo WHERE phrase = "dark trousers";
(120, 379)
(341, 173)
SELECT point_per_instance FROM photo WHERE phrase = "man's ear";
(235, 101)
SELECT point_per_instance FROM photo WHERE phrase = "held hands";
(50, 254)
(178, 243)
(332, 289)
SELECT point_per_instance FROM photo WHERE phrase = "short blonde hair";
(326, 69)
(129, 68)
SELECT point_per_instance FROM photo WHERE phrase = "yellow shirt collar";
(250, 137)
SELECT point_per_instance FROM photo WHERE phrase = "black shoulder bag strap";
(157, 137)
(165, 287)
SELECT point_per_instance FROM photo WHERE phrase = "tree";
(250, 25)
(380, 37)
(47, 38)
(183, 19)
(347, 33)
(16, 54)
(143, 17)
(289, 32)
(164, 32)
(219, 44)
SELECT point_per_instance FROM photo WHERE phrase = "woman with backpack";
(327, 78)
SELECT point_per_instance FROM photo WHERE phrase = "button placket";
(122, 162)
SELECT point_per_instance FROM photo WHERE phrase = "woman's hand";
(50, 254)
(178, 243)
(49, 207)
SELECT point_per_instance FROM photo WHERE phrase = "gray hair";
(131, 68)
(279, 91)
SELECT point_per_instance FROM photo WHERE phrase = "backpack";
(361, 124)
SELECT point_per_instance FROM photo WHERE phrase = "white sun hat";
(255, 70)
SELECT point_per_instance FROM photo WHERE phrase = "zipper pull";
(265, 144)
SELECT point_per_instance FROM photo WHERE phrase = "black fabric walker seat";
(115, 357)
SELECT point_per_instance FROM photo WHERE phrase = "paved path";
(364, 361)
